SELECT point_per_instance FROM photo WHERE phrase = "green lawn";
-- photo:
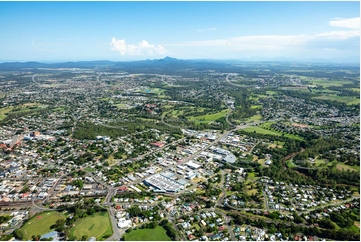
(322, 162)
(27, 107)
(355, 229)
(271, 92)
(266, 125)
(254, 118)
(355, 89)
(324, 91)
(40, 224)
(347, 100)
(209, 117)
(343, 166)
(251, 176)
(260, 130)
(257, 96)
(97, 225)
(290, 164)
(327, 83)
(157, 234)
(3, 112)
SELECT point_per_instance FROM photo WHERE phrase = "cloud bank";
(143, 48)
(205, 30)
(350, 23)
(272, 42)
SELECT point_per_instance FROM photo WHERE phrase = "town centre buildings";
(163, 184)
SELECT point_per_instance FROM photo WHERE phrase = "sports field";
(156, 234)
(96, 225)
(40, 224)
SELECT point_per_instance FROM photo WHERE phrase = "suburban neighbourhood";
(226, 157)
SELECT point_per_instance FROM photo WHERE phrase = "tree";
(18, 234)
(25, 189)
(59, 225)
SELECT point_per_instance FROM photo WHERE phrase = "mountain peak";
(167, 58)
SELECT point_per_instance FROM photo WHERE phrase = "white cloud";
(330, 49)
(204, 30)
(339, 34)
(271, 42)
(351, 23)
(143, 48)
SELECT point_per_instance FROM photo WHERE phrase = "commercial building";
(160, 182)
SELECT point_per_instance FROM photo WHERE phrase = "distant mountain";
(167, 65)
(69, 64)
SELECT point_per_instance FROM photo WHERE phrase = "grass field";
(324, 91)
(357, 224)
(156, 234)
(27, 107)
(266, 125)
(327, 83)
(96, 225)
(123, 106)
(355, 228)
(354, 89)
(110, 159)
(3, 112)
(275, 145)
(250, 192)
(347, 100)
(322, 162)
(257, 96)
(260, 130)
(254, 118)
(271, 92)
(290, 164)
(256, 106)
(40, 224)
(341, 166)
(251, 176)
(210, 117)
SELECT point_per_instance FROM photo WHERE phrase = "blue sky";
(119, 31)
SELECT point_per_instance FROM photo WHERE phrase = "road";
(223, 194)
(230, 231)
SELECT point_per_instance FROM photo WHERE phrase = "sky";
(123, 31)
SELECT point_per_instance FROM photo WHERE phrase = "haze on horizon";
(122, 31)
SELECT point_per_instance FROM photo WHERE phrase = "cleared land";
(260, 130)
(3, 112)
(257, 96)
(341, 166)
(156, 234)
(327, 83)
(271, 92)
(97, 225)
(40, 224)
(27, 107)
(347, 100)
(209, 117)
(254, 118)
